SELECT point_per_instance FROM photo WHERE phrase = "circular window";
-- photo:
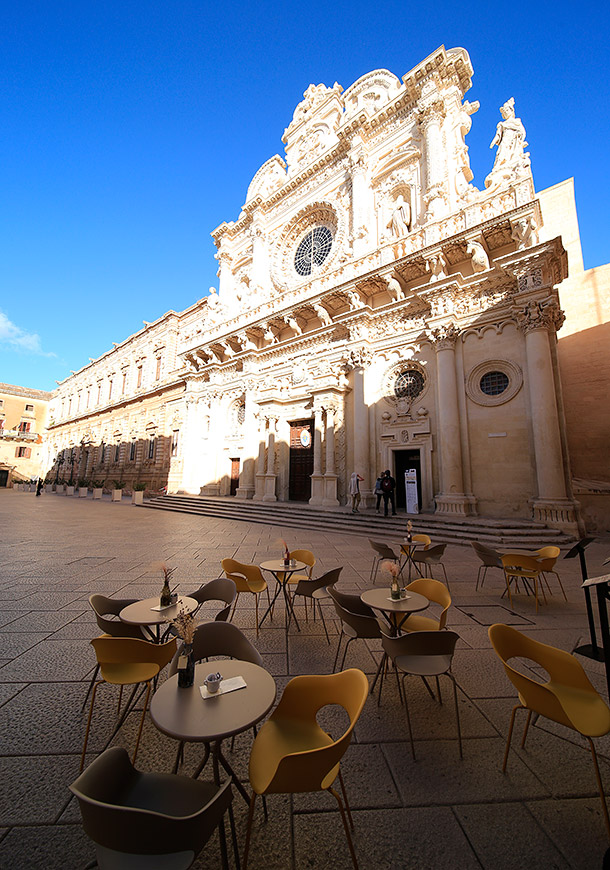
(494, 383)
(313, 250)
(408, 384)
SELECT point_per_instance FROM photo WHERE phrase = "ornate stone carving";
(437, 265)
(400, 219)
(510, 162)
(444, 337)
(322, 313)
(525, 232)
(539, 315)
(478, 256)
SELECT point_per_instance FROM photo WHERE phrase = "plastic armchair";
(524, 568)
(420, 538)
(247, 578)
(383, 552)
(127, 661)
(430, 557)
(357, 620)
(489, 557)
(437, 593)
(221, 589)
(302, 556)
(292, 754)
(213, 639)
(314, 590)
(422, 654)
(567, 698)
(546, 558)
(153, 820)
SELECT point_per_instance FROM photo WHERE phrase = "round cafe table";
(184, 715)
(395, 612)
(282, 574)
(141, 613)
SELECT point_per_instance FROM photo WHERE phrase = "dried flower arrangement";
(286, 554)
(168, 573)
(391, 568)
(185, 626)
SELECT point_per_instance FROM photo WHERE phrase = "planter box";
(97, 492)
(48, 487)
(117, 494)
(137, 497)
(83, 492)
(69, 490)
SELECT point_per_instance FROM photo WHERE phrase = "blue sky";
(132, 129)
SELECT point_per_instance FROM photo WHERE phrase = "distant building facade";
(23, 421)
(375, 310)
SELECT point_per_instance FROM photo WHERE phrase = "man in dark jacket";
(388, 486)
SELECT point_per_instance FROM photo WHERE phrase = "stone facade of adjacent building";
(23, 421)
(374, 310)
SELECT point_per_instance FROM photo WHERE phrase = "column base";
(210, 489)
(245, 492)
(317, 489)
(330, 491)
(558, 513)
(259, 487)
(458, 505)
(270, 488)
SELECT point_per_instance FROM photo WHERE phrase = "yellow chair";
(293, 754)
(247, 578)
(302, 556)
(420, 538)
(567, 698)
(127, 661)
(525, 568)
(546, 558)
(436, 592)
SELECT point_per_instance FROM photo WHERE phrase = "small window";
(99, 393)
(493, 383)
(175, 441)
(408, 384)
(29, 408)
(24, 427)
(1, 423)
(132, 451)
(117, 452)
(1, 403)
(158, 371)
(124, 384)
(23, 452)
(139, 383)
(151, 448)
(109, 390)
(102, 452)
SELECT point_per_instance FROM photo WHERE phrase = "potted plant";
(117, 492)
(98, 488)
(137, 495)
(70, 488)
(83, 487)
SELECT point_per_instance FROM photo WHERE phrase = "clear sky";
(130, 130)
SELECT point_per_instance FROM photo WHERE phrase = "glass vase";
(186, 674)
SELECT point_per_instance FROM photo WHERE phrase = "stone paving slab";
(438, 811)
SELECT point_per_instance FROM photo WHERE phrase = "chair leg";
(346, 827)
(446, 578)
(91, 684)
(438, 689)
(118, 709)
(599, 785)
(508, 589)
(345, 651)
(249, 829)
(404, 691)
(560, 583)
(337, 655)
(233, 838)
(457, 712)
(322, 618)
(82, 758)
(256, 613)
(135, 752)
(345, 800)
(510, 734)
(525, 730)
(381, 663)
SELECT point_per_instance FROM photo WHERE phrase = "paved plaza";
(436, 812)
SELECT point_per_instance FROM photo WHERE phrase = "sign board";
(411, 491)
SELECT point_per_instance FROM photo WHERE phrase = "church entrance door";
(301, 460)
(234, 475)
(403, 460)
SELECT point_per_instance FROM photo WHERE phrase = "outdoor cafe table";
(379, 599)
(282, 574)
(141, 613)
(407, 548)
(183, 714)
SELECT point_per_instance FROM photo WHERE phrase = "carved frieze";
(540, 315)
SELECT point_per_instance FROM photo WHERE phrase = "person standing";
(378, 492)
(39, 486)
(354, 491)
(388, 486)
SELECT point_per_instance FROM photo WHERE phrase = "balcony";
(16, 435)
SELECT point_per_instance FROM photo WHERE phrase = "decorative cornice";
(545, 314)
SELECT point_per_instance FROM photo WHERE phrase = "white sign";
(411, 491)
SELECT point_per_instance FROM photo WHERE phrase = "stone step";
(494, 532)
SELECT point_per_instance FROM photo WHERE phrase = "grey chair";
(489, 557)
(429, 559)
(156, 821)
(213, 639)
(383, 552)
(422, 654)
(221, 589)
(357, 620)
(315, 590)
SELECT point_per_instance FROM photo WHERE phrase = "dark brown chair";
(357, 620)
(314, 590)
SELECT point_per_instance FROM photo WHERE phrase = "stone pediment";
(370, 92)
(270, 177)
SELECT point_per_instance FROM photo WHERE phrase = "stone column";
(317, 479)
(270, 476)
(537, 320)
(259, 490)
(359, 202)
(260, 266)
(430, 119)
(330, 476)
(451, 499)
(246, 486)
(361, 434)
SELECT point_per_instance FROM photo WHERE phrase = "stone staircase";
(523, 534)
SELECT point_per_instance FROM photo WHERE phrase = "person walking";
(378, 492)
(388, 486)
(354, 491)
(39, 486)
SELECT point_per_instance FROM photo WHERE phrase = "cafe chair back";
(521, 568)
(382, 552)
(424, 560)
(156, 821)
(247, 578)
(214, 639)
(127, 661)
(222, 589)
(568, 697)
(437, 593)
(357, 620)
(293, 754)
(420, 538)
(489, 557)
(546, 558)
(302, 556)
(314, 591)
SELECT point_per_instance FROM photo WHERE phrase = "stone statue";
(322, 314)
(524, 232)
(400, 221)
(293, 323)
(437, 264)
(510, 139)
(394, 288)
(478, 256)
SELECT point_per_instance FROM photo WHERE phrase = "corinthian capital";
(430, 113)
(444, 337)
(539, 315)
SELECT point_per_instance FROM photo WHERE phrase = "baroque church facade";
(374, 310)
